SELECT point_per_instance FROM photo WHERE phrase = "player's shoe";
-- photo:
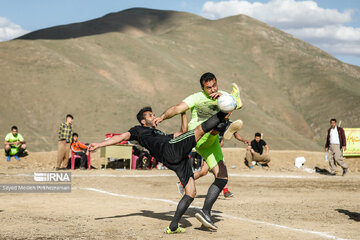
(180, 188)
(178, 230)
(236, 94)
(228, 194)
(205, 220)
(16, 157)
(8, 158)
(259, 164)
(233, 128)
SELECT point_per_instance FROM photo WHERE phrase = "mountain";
(104, 70)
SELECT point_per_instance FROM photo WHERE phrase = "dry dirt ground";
(277, 203)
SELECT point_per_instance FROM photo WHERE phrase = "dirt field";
(276, 203)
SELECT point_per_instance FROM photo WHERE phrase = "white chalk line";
(321, 234)
(150, 175)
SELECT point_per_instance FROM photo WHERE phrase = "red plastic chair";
(74, 156)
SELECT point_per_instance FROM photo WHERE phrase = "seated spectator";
(145, 160)
(255, 152)
(79, 148)
(14, 144)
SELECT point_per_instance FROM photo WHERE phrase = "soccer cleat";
(16, 157)
(228, 194)
(180, 188)
(236, 94)
(344, 171)
(8, 158)
(233, 128)
(259, 164)
(251, 167)
(178, 230)
(205, 220)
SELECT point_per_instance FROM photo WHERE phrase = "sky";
(331, 25)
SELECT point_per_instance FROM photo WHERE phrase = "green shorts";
(209, 148)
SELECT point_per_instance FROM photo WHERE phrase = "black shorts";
(176, 156)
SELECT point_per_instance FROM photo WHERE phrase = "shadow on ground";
(168, 216)
(352, 215)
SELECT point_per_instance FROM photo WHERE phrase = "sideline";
(320, 234)
(146, 175)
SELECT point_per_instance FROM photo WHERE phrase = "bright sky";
(332, 25)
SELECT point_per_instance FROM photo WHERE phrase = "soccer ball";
(226, 103)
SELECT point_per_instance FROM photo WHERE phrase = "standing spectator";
(79, 149)
(255, 152)
(14, 144)
(336, 144)
(64, 138)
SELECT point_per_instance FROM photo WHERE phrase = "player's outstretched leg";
(233, 128)
(236, 94)
(209, 124)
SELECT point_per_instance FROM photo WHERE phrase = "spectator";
(144, 160)
(256, 153)
(336, 144)
(14, 144)
(79, 149)
(64, 138)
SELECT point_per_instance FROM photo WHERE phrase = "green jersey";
(202, 107)
(11, 138)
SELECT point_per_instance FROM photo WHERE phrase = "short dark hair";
(14, 127)
(333, 119)
(75, 134)
(140, 115)
(69, 116)
(206, 77)
(257, 134)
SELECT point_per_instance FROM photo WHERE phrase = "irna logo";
(52, 177)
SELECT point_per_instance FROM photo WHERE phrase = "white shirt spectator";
(334, 136)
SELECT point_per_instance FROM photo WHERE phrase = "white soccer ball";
(226, 103)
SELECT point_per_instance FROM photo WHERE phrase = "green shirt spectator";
(14, 144)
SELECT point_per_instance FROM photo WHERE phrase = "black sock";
(7, 152)
(213, 121)
(213, 193)
(180, 210)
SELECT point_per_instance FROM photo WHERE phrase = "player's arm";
(184, 125)
(114, 140)
(172, 111)
(238, 137)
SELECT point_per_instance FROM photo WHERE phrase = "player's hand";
(93, 146)
(215, 95)
(158, 120)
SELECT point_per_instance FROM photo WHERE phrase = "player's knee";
(220, 182)
(23, 146)
(191, 191)
(7, 147)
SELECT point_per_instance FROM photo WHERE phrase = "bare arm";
(184, 125)
(114, 140)
(238, 137)
(172, 111)
(266, 149)
(13, 143)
